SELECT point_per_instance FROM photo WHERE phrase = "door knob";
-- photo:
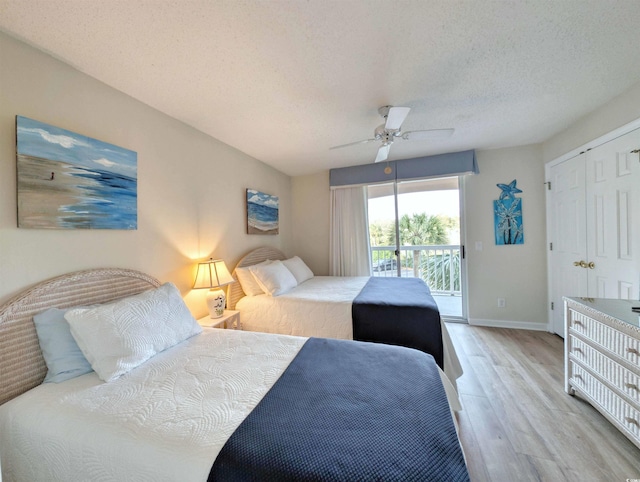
(591, 265)
(582, 264)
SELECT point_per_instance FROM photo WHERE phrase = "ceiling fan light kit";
(388, 132)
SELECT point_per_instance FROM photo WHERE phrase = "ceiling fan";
(388, 132)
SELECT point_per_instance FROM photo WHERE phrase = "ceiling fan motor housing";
(380, 131)
(384, 135)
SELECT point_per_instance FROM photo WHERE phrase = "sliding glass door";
(383, 229)
(414, 229)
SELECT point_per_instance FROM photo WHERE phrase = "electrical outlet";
(502, 302)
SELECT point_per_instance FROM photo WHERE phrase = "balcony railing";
(437, 265)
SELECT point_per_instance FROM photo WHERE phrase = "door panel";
(613, 177)
(421, 237)
(382, 230)
(569, 245)
(594, 211)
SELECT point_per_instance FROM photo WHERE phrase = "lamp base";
(216, 301)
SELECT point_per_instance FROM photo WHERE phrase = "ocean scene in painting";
(70, 181)
(262, 213)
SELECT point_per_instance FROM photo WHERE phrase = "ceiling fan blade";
(352, 143)
(383, 153)
(427, 134)
(396, 117)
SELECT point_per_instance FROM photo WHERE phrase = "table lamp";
(213, 274)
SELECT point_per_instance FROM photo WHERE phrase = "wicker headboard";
(21, 364)
(258, 255)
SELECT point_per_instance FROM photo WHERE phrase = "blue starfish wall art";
(507, 215)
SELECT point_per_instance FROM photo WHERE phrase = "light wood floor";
(518, 424)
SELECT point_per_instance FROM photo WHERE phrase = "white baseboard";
(518, 325)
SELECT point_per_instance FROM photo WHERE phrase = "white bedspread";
(164, 421)
(321, 307)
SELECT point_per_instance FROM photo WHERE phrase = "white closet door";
(568, 222)
(613, 218)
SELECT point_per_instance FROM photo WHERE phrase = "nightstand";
(230, 320)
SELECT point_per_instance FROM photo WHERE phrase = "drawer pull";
(578, 323)
(632, 420)
(632, 386)
(633, 350)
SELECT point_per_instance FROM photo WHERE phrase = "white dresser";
(602, 359)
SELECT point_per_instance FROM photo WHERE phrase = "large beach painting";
(70, 181)
(262, 213)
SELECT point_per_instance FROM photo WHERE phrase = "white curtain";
(349, 236)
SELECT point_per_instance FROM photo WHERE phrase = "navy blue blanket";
(398, 311)
(348, 411)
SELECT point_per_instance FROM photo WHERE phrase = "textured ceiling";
(284, 80)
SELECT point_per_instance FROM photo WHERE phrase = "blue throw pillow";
(61, 352)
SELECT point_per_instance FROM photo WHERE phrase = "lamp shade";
(212, 274)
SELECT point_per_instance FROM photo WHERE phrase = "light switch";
(478, 245)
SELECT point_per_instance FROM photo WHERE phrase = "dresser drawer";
(624, 380)
(622, 345)
(619, 411)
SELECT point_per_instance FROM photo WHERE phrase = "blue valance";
(441, 165)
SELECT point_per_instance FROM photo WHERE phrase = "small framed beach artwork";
(70, 181)
(262, 213)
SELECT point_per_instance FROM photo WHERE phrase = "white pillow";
(298, 268)
(119, 336)
(274, 279)
(249, 284)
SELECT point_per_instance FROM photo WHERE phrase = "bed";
(324, 306)
(216, 405)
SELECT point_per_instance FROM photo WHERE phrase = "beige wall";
(311, 207)
(516, 273)
(191, 187)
